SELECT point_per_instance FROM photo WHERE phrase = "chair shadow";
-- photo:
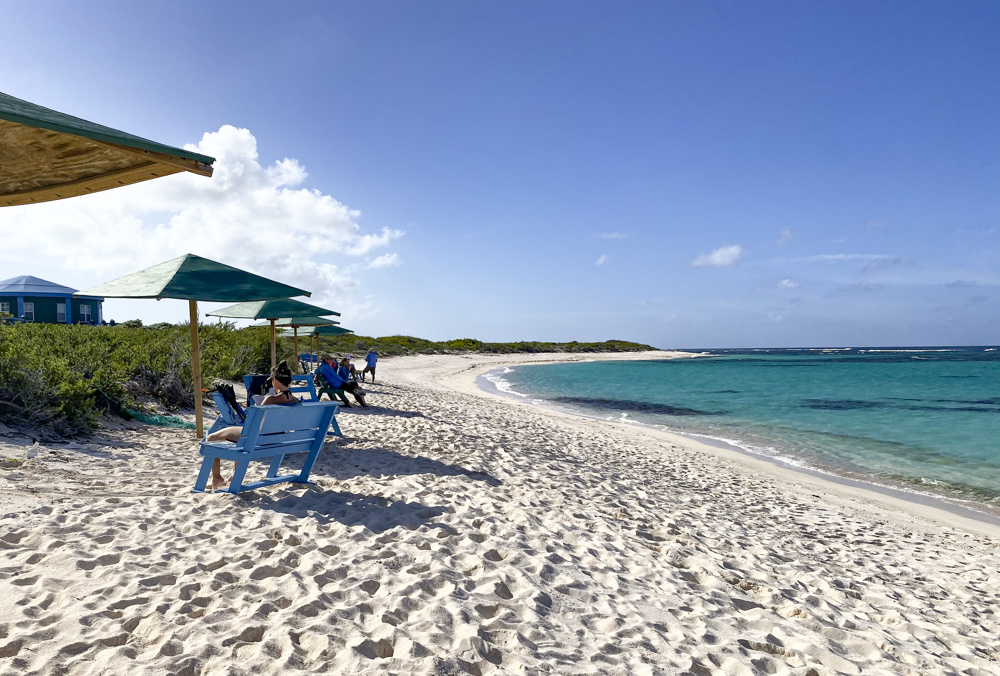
(341, 463)
(375, 409)
(374, 512)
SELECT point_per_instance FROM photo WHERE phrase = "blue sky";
(686, 174)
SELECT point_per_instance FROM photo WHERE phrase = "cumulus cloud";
(247, 215)
(784, 237)
(724, 255)
(602, 260)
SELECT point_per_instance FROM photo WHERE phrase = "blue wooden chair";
(227, 416)
(305, 386)
(270, 433)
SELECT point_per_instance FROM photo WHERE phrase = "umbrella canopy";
(272, 310)
(48, 155)
(295, 323)
(194, 278)
(304, 321)
(330, 330)
(317, 331)
(191, 277)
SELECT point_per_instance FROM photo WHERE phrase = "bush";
(57, 379)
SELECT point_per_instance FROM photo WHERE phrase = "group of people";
(338, 377)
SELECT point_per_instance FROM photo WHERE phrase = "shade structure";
(194, 278)
(296, 323)
(330, 330)
(317, 331)
(272, 310)
(48, 155)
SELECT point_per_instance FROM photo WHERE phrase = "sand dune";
(454, 532)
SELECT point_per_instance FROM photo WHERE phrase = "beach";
(455, 531)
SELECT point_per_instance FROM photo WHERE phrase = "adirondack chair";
(227, 416)
(307, 388)
(303, 385)
(270, 433)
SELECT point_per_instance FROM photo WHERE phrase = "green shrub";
(57, 378)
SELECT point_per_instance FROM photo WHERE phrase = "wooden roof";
(47, 155)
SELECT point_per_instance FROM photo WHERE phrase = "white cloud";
(389, 260)
(788, 284)
(602, 260)
(246, 215)
(784, 237)
(724, 255)
(613, 235)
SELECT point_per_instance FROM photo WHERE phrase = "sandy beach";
(454, 531)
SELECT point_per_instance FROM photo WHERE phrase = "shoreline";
(922, 499)
(921, 505)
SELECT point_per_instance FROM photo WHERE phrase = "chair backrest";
(226, 412)
(302, 385)
(273, 429)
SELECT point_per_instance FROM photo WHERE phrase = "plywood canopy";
(47, 155)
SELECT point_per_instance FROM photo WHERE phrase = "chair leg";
(206, 471)
(336, 427)
(237, 483)
(275, 466)
(308, 465)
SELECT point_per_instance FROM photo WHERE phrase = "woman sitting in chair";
(281, 379)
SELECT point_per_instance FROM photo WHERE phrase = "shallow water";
(918, 419)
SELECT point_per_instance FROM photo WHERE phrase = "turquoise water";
(925, 420)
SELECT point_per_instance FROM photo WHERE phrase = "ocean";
(922, 420)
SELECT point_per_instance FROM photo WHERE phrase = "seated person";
(353, 375)
(281, 379)
(336, 380)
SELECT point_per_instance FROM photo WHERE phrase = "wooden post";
(274, 357)
(297, 360)
(199, 423)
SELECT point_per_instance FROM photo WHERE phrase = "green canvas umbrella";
(296, 322)
(193, 278)
(48, 155)
(325, 330)
(272, 310)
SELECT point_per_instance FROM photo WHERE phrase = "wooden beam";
(199, 423)
(84, 186)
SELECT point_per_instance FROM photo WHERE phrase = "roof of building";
(26, 285)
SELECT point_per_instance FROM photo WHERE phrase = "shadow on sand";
(374, 512)
(346, 463)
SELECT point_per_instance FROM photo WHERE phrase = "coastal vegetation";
(57, 380)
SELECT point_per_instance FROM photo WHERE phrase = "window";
(61, 313)
(85, 314)
(5, 307)
(29, 312)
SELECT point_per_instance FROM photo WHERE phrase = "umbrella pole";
(196, 368)
(274, 357)
(296, 329)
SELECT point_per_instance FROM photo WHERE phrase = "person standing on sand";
(371, 359)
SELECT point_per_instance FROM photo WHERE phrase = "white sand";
(459, 532)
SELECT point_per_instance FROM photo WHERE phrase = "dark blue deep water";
(919, 419)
